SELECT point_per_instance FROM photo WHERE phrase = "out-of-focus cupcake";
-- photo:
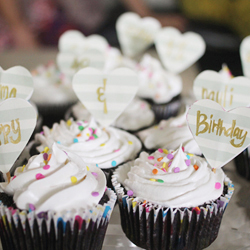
(55, 200)
(161, 88)
(171, 200)
(107, 148)
(170, 134)
(138, 115)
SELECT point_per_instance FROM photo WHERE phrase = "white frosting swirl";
(106, 148)
(155, 83)
(52, 184)
(172, 179)
(170, 134)
(136, 116)
(51, 85)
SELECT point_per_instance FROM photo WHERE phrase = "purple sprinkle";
(78, 123)
(130, 193)
(188, 162)
(45, 156)
(177, 170)
(31, 207)
(95, 194)
(220, 203)
(65, 152)
(170, 156)
(94, 173)
(42, 133)
(169, 164)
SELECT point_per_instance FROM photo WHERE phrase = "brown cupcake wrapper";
(81, 229)
(156, 227)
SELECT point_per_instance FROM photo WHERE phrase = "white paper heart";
(15, 82)
(105, 95)
(17, 123)
(136, 34)
(221, 135)
(178, 51)
(245, 55)
(229, 94)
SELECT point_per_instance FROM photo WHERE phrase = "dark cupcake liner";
(242, 164)
(156, 227)
(70, 230)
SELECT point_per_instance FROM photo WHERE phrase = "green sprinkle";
(95, 136)
(159, 180)
(81, 128)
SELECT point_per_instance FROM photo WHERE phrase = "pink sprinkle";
(170, 156)
(39, 176)
(177, 170)
(91, 137)
(182, 149)
(94, 173)
(46, 167)
(78, 123)
(13, 177)
(95, 131)
(95, 194)
(117, 150)
(45, 156)
(155, 164)
(164, 170)
(143, 105)
(42, 133)
(31, 207)
(130, 193)
(65, 152)
(160, 150)
(217, 185)
(151, 157)
(188, 162)
(91, 130)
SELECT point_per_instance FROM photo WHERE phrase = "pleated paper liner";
(76, 230)
(242, 164)
(156, 227)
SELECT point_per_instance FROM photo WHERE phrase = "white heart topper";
(245, 55)
(178, 51)
(220, 135)
(229, 94)
(105, 95)
(15, 82)
(136, 34)
(17, 123)
(77, 51)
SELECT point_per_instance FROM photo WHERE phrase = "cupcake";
(161, 88)
(136, 116)
(107, 148)
(171, 200)
(55, 200)
(168, 134)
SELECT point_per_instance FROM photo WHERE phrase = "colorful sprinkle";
(188, 156)
(49, 157)
(144, 202)
(87, 168)
(46, 167)
(177, 170)
(75, 140)
(69, 122)
(160, 181)
(170, 156)
(95, 194)
(130, 193)
(81, 128)
(113, 163)
(196, 167)
(151, 157)
(159, 159)
(23, 167)
(73, 179)
(95, 136)
(103, 144)
(13, 177)
(31, 207)
(79, 135)
(164, 164)
(130, 142)
(94, 173)
(169, 164)
(58, 142)
(91, 130)
(88, 134)
(165, 151)
(152, 179)
(164, 170)
(97, 165)
(188, 162)
(46, 149)
(116, 150)
(39, 176)
(91, 137)
(214, 170)
(182, 149)
(155, 171)
(45, 156)
(217, 185)
(160, 150)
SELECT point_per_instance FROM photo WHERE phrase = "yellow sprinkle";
(190, 154)
(46, 149)
(87, 168)
(155, 126)
(231, 189)
(165, 151)
(130, 142)
(134, 203)
(152, 179)
(88, 134)
(73, 179)
(45, 162)
(214, 170)
(164, 164)
(103, 144)
(23, 167)
(69, 122)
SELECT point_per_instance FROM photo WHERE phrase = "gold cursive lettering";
(16, 131)
(100, 92)
(5, 94)
(83, 63)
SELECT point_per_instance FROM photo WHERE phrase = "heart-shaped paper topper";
(105, 95)
(77, 51)
(221, 135)
(136, 34)
(178, 51)
(228, 93)
(17, 123)
(15, 82)
(245, 55)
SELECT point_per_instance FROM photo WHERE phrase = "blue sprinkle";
(58, 142)
(113, 163)
(91, 211)
(97, 165)
(107, 208)
(188, 156)
(75, 140)
(63, 223)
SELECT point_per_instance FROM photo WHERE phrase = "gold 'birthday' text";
(5, 93)
(202, 126)
(6, 129)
